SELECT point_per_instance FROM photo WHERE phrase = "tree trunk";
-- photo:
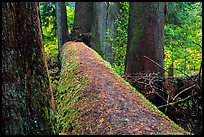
(83, 16)
(62, 28)
(145, 37)
(82, 22)
(104, 14)
(25, 83)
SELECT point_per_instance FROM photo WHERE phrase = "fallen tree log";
(93, 99)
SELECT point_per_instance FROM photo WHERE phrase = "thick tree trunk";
(25, 84)
(145, 37)
(83, 16)
(82, 22)
(104, 14)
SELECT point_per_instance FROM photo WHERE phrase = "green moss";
(69, 90)
(172, 133)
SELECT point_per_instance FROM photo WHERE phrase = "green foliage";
(48, 19)
(70, 16)
(67, 95)
(52, 118)
(70, 4)
(175, 12)
(51, 49)
(120, 45)
(183, 37)
(49, 27)
(183, 40)
(121, 38)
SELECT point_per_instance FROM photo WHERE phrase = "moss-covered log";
(95, 100)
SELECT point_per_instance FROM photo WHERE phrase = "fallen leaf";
(101, 121)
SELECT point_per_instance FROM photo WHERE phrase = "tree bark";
(104, 14)
(145, 37)
(83, 16)
(82, 22)
(25, 83)
(62, 28)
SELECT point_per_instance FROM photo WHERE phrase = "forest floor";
(109, 106)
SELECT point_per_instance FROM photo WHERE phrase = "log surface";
(109, 105)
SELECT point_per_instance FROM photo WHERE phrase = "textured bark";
(82, 22)
(25, 83)
(62, 28)
(83, 16)
(104, 14)
(145, 37)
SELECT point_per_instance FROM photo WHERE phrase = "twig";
(137, 80)
(197, 44)
(178, 102)
(158, 93)
(167, 102)
(182, 72)
(184, 91)
(155, 63)
(199, 75)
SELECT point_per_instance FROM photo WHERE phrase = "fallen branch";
(184, 91)
(199, 75)
(197, 44)
(177, 102)
(155, 63)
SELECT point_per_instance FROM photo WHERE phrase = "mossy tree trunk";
(145, 37)
(62, 28)
(25, 83)
(103, 28)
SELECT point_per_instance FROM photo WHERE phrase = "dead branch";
(184, 91)
(197, 44)
(177, 102)
(155, 63)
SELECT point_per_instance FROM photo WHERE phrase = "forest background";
(183, 35)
